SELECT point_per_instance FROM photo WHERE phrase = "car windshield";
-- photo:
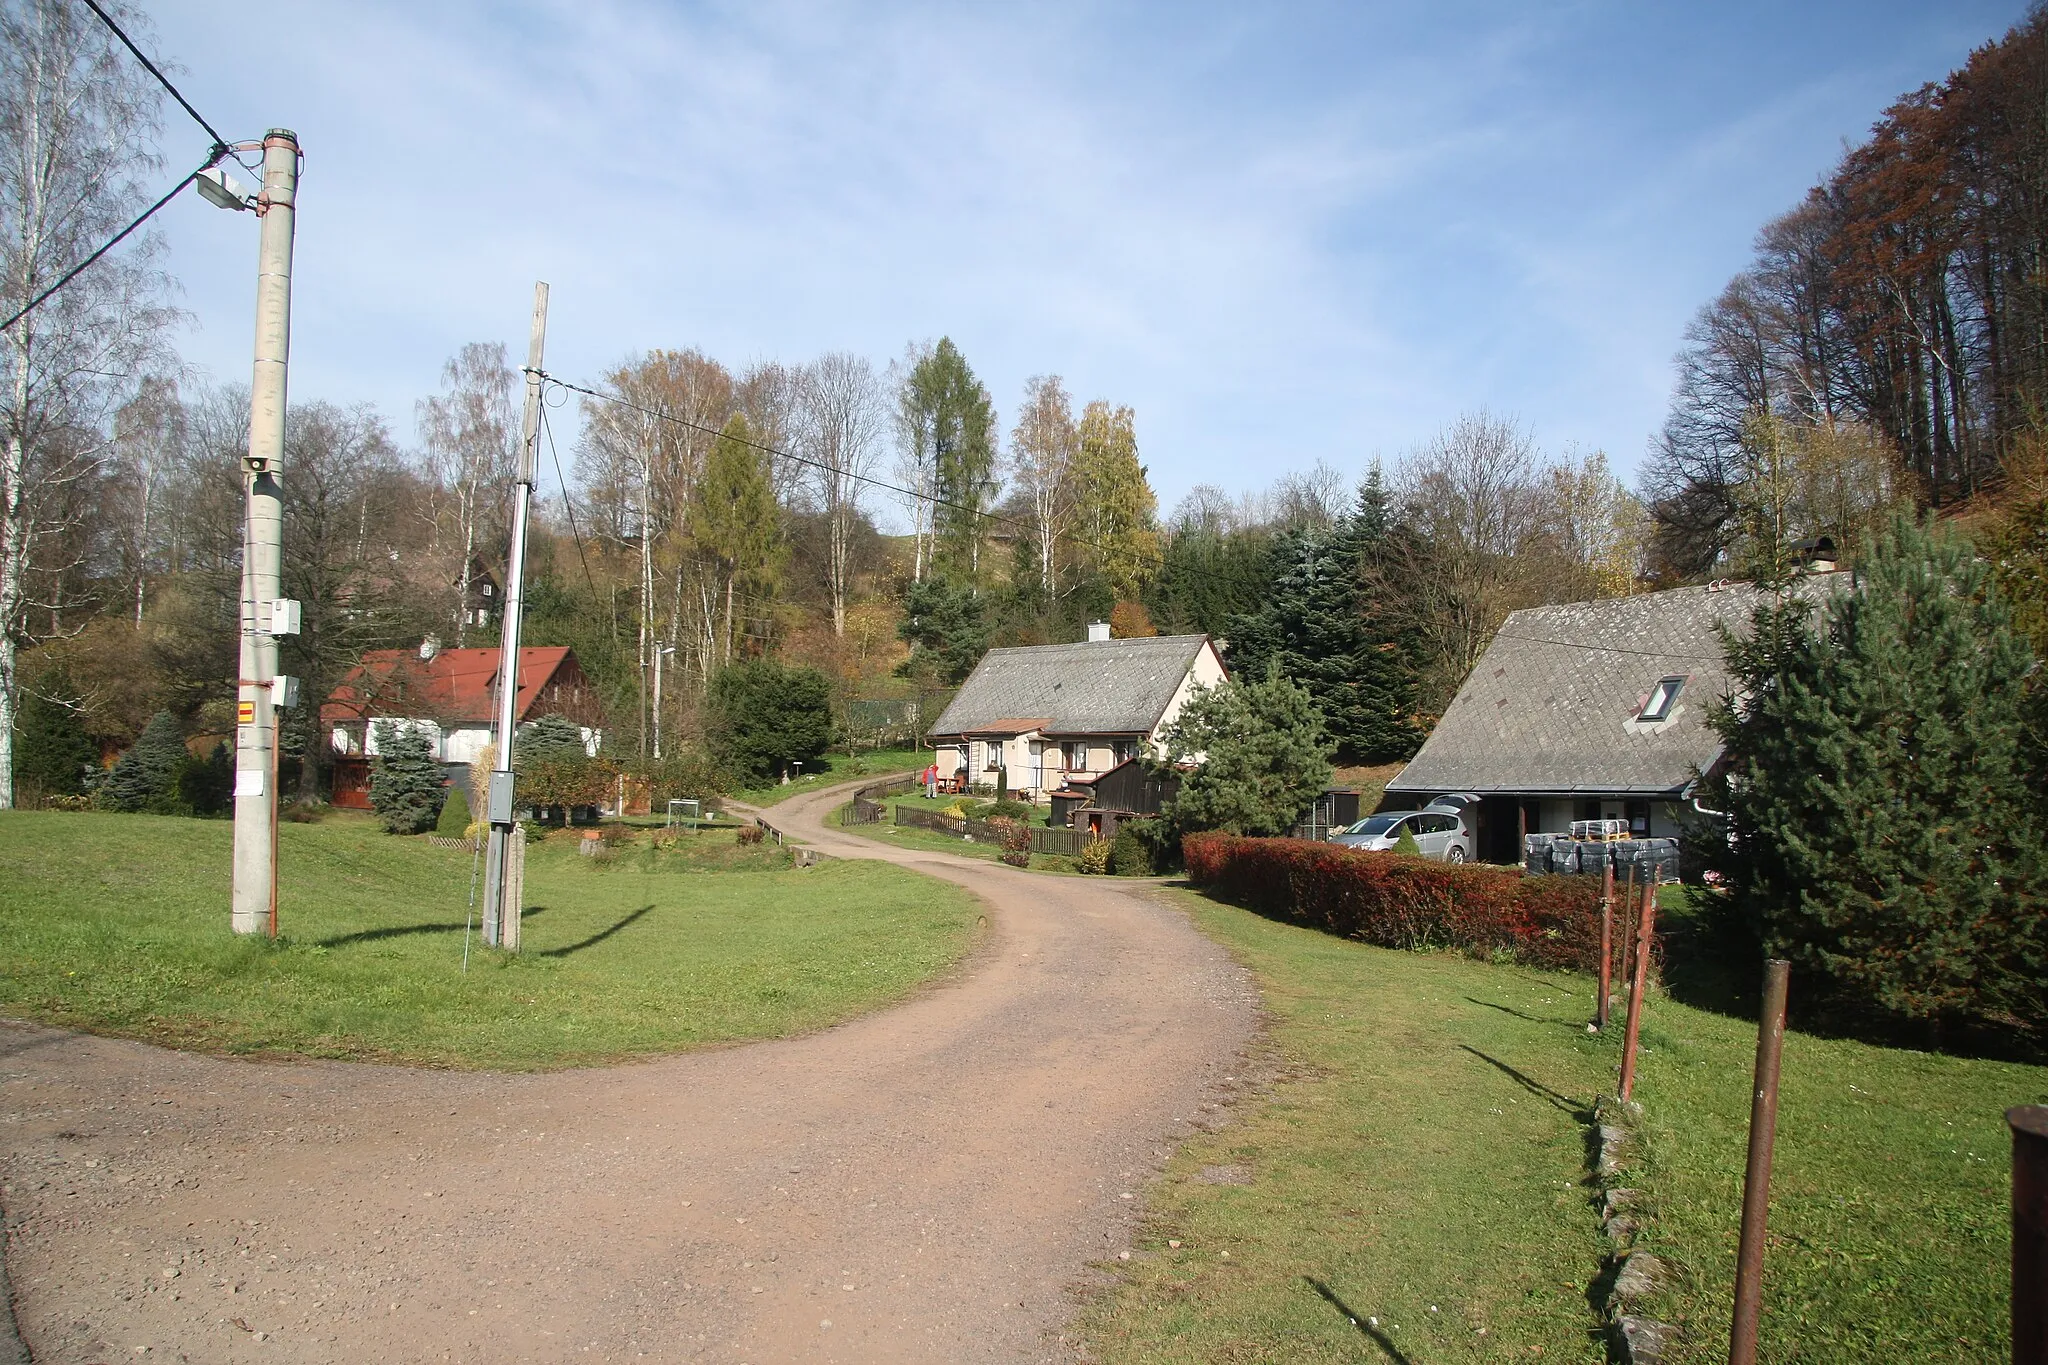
(1374, 824)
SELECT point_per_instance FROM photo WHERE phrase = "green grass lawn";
(1421, 1165)
(839, 768)
(934, 841)
(119, 924)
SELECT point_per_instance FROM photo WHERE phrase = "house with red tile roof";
(451, 696)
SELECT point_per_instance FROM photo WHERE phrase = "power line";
(220, 144)
(883, 484)
(568, 503)
(113, 242)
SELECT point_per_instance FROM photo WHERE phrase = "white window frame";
(1663, 697)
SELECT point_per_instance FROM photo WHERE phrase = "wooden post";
(1756, 1180)
(1606, 946)
(1628, 904)
(1635, 991)
(2029, 1124)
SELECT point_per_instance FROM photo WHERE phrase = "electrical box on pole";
(501, 892)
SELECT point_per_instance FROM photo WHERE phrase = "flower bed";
(1403, 902)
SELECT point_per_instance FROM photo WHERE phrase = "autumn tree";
(1115, 512)
(734, 521)
(1044, 449)
(948, 424)
(840, 418)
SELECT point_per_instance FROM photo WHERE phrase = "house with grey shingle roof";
(1046, 716)
(1589, 711)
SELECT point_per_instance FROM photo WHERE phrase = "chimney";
(1098, 631)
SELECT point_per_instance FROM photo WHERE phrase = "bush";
(405, 789)
(750, 835)
(208, 788)
(52, 752)
(1094, 857)
(1130, 855)
(1015, 837)
(1397, 902)
(455, 819)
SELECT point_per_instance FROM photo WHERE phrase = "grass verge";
(119, 924)
(1418, 1174)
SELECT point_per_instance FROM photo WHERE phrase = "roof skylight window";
(1661, 699)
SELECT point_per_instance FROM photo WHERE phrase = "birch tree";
(1043, 449)
(840, 417)
(76, 117)
(470, 433)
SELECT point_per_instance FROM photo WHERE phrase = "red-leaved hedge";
(1403, 902)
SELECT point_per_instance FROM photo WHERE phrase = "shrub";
(749, 835)
(1406, 845)
(1130, 855)
(455, 819)
(1399, 902)
(405, 789)
(208, 787)
(52, 752)
(1015, 837)
(1094, 857)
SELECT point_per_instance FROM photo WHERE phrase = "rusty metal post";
(1635, 992)
(1606, 946)
(1756, 1180)
(2029, 1124)
(1628, 938)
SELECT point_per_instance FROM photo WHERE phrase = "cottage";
(1589, 711)
(450, 695)
(1040, 719)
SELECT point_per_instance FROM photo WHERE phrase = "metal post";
(2029, 1124)
(1756, 1180)
(1635, 992)
(255, 858)
(499, 801)
(1606, 946)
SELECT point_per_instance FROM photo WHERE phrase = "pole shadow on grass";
(1574, 1025)
(405, 931)
(596, 938)
(1581, 1113)
(1364, 1325)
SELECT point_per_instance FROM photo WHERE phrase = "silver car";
(1439, 834)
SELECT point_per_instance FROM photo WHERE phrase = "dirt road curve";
(926, 1184)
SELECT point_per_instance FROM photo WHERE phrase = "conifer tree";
(405, 789)
(146, 778)
(1882, 834)
(1318, 628)
(454, 820)
(52, 752)
(1261, 757)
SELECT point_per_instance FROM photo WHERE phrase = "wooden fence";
(868, 806)
(1066, 843)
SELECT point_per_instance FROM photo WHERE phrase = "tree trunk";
(13, 566)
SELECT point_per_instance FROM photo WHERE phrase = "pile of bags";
(1562, 855)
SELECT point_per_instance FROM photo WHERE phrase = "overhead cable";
(112, 242)
(220, 144)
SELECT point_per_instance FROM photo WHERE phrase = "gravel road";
(930, 1183)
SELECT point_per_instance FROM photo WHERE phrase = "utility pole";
(258, 687)
(659, 650)
(498, 907)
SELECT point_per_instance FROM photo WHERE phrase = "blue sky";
(1282, 233)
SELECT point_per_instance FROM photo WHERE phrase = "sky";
(1282, 233)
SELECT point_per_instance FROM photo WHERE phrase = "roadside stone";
(1613, 1142)
(1640, 1275)
(1640, 1341)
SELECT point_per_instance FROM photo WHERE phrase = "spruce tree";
(405, 789)
(1882, 834)
(1261, 755)
(52, 752)
(146, 777)
(1318, 626)
(454, 820)
(208, 787)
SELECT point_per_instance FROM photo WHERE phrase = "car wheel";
(1456, 855)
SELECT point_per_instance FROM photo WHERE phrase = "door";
(1433, 834)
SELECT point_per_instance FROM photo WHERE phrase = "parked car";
(1440, 834)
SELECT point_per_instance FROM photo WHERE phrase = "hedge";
(1402, 902)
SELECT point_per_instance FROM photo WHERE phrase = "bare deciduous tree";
(470, 433)
(840, 417)
(76, 116)
(1043, 450)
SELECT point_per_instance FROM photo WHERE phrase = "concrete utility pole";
(498, 906)
(258, 686)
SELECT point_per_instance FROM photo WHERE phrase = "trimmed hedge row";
(1403, 902)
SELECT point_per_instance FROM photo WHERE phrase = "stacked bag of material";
(1562, 855)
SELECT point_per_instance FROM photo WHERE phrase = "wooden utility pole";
(1756, 1180)
(498, 905)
